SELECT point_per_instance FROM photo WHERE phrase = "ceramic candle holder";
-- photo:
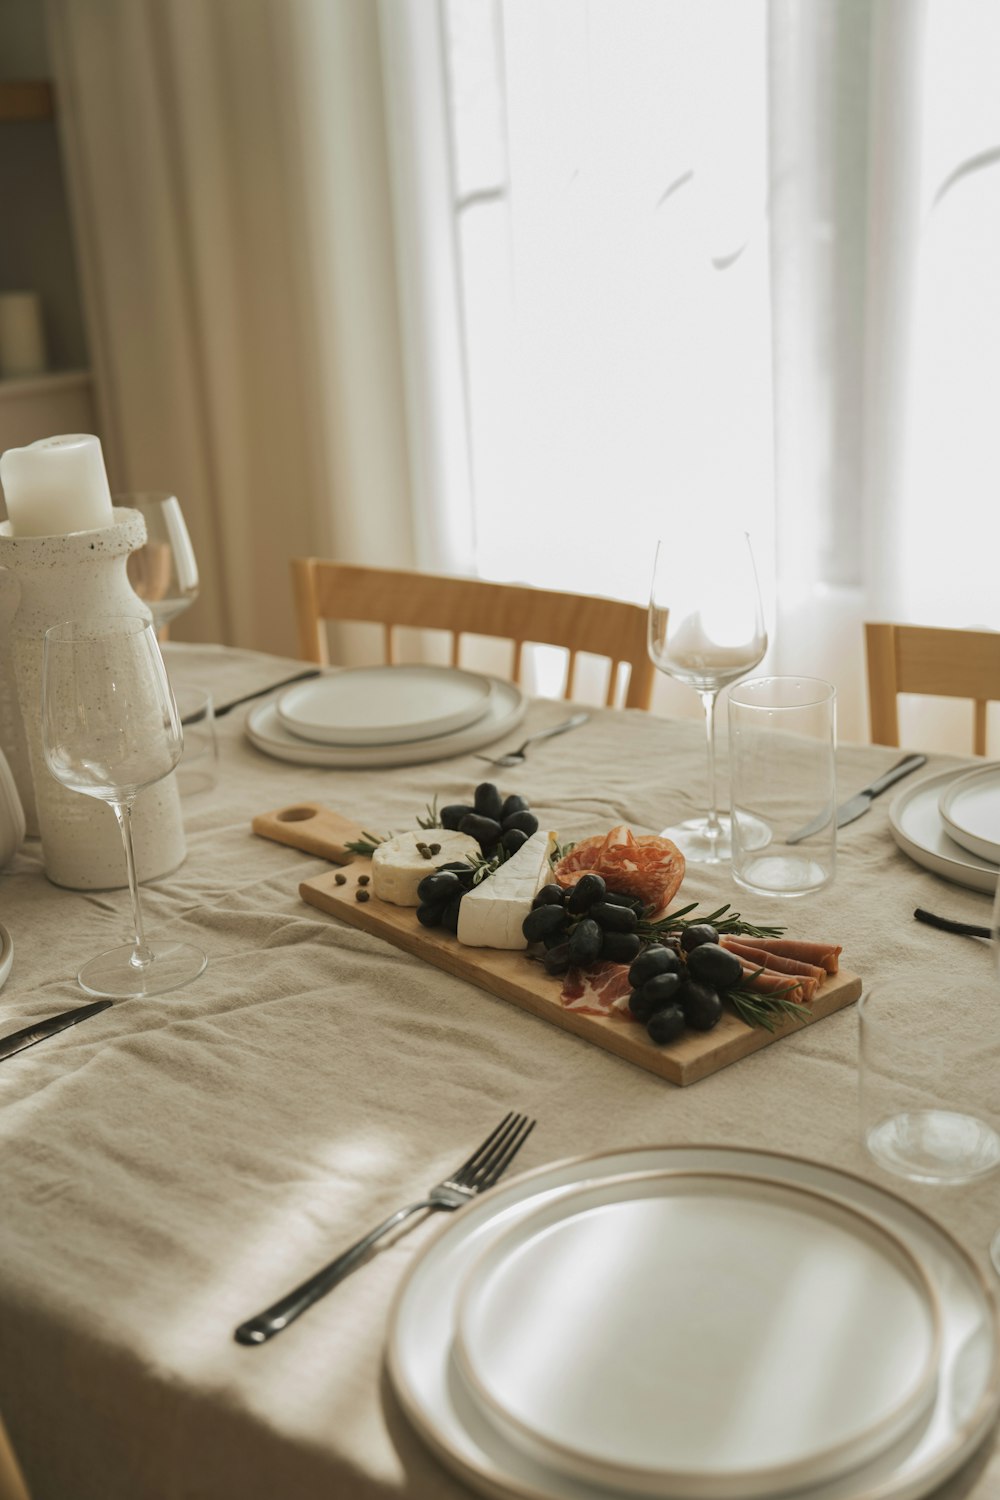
(82, 576)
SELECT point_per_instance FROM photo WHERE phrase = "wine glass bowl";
(163, 572)
(706, 630)
(110, 728)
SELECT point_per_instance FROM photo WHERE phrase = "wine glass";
(110, 728)
(163, 572)
(706, 629)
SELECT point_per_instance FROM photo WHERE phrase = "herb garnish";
(675, 922)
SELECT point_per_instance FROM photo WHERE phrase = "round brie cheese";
(398, 867)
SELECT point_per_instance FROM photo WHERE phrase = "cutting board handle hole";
(295, 814)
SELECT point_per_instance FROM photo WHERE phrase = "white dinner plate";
(435, 1400)
(698, 1336)
(6, 954)
(970, 812)
(384, 705)
(918, 830)
(506, 709)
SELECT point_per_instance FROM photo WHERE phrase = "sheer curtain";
(733, 257)
(228, 171)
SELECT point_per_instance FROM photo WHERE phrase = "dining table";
(176, 1163)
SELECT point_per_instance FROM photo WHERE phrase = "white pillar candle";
(22, 338)
(56, 486)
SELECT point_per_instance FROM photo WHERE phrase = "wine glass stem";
(141, 955)
(708, 699)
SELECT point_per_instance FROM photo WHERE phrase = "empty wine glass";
(163, 572)
(110, 728)
(706, 629)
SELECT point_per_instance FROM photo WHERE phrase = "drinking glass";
(706, 629)
(163, 572)
(110, 727)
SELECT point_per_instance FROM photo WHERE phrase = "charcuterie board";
(511, 975)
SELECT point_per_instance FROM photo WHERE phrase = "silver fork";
(515, 757)
(486, 1164)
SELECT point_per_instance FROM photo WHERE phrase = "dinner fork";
(486, 1164)
(515, 757)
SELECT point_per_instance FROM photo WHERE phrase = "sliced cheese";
(398, 866)
(490, 916)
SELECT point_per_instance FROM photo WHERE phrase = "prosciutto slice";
(775, 961)
(769, 981)
(825, 955)
(600, 990)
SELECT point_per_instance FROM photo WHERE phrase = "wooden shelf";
(30, 99)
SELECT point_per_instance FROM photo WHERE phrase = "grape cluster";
(582, 923)
(495, 822)
(440, 894)
(674, 987)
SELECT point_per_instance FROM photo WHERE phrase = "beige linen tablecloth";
(174, 1164)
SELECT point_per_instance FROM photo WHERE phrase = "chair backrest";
(611, 628)
(933, 661)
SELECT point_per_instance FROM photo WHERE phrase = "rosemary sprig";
(431, 818)
(559, 851)
(367, 843)
(724, 920)
(757, 1009)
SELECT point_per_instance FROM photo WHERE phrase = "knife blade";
(17, 1041)
(225, 708)
(855, 806)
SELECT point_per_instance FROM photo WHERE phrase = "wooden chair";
(611, 628)
(932, 661)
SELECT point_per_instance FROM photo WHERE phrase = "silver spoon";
(515, 757)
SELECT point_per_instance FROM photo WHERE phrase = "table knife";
(225, 708)
(19, 1040)
(861, 801)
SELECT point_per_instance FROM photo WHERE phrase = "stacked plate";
(385, 716)
(696, 1323)
(950, 823)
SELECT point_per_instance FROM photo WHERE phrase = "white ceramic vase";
(13, 744)
(82, 576)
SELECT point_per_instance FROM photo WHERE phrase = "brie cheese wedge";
(398, 866)
(491, 914)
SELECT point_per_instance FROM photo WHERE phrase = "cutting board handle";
(311, 827)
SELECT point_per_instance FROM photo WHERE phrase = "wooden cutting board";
(317, 830)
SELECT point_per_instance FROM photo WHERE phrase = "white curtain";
(504, 285)
(228, 170)
(736, 257)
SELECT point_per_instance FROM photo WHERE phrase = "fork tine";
(499, 1146)
(474, 1160)
(488, 1175)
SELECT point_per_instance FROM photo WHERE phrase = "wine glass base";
(113, 974)
(700, 844)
